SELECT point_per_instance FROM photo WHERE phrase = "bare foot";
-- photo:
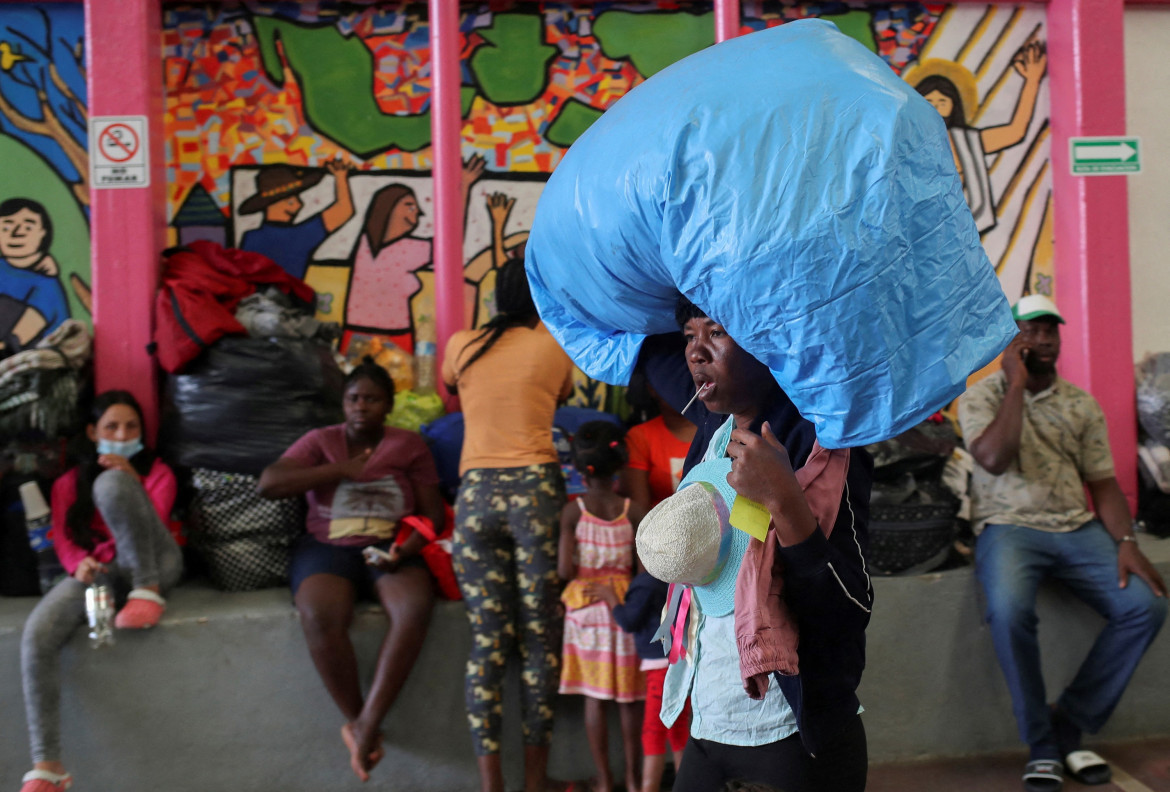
(373, 751)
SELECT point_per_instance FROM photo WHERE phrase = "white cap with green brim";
(1035, 306)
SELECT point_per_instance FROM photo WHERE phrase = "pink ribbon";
(679, 630)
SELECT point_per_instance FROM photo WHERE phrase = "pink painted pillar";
(446, 130)
(1086, 66)
(727, 17)
(127, 226)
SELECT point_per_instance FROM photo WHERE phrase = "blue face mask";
(126, 448)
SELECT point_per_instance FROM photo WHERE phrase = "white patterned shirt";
(1064, 443)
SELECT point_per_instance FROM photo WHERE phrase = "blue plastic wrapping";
(792, 186)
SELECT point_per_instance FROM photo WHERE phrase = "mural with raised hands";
(984, 68)
(304, 130)
(44, 177)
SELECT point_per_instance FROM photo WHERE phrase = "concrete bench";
(223, 694)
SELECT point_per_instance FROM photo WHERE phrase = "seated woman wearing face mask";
(109, 518)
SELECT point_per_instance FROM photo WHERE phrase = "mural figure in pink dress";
(388, 258)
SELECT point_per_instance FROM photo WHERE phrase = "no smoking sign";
(117, 152)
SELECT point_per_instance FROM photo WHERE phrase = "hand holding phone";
(1014, 361)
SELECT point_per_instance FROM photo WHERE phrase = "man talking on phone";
(1038, 442)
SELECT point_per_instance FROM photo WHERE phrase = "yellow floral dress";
(599, 659)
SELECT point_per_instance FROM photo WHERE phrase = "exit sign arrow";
(1100, 156)
(1105, 152)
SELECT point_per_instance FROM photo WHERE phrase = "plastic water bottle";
(38, 521)
(424, 366)
(99, 610)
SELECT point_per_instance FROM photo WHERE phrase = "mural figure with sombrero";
(278, 194)
(951, 88)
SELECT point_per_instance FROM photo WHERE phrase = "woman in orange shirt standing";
(510, 375)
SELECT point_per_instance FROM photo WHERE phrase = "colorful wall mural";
(310, 122)
(44, 190)
(983, 67)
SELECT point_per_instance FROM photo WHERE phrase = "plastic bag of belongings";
(791, 185)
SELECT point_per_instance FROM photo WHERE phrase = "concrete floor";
(1137, 767)
(228, 679)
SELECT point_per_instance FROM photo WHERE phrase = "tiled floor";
(1138, 767)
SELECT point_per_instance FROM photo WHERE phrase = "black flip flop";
(1088, 768)
(1043, 775)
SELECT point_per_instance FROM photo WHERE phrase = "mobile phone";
(375, 554)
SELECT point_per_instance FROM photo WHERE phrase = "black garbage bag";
(913, 536)
(912, 517)
(244, 401)
(18, 562)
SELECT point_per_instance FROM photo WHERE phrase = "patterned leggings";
(505, 557)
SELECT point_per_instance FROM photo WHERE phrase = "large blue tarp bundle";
(792, 186)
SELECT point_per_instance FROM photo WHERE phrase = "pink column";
(1086, 65)
(127, 226)
(727, 17)
(446, 129)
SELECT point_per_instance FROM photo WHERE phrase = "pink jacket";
(765, 629)
(160, 486)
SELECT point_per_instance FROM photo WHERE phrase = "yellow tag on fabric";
(750, 517)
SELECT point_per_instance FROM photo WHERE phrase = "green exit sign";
(1102, 156)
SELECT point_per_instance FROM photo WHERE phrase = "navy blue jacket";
(641, 613)
(826, 581)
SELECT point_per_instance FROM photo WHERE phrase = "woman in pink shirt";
(363, 481)
(110, 518)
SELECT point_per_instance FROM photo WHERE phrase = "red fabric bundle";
(202, 285)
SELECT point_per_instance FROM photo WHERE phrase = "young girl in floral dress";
(597, 555)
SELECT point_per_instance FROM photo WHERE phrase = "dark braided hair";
(599, 449)
(370, 370)
(514, 307)
(685, 310)
(79, 518)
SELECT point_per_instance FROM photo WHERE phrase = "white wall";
(1147, 91)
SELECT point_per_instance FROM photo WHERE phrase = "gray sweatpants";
(147, 556)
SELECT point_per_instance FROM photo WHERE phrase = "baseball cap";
(1035, 306)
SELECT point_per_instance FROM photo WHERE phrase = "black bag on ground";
(18, 562)
(246, 540)
(244, 401)
(915, 535)
(30, 456)
(912, 514)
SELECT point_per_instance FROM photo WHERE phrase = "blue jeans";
(1010, 562)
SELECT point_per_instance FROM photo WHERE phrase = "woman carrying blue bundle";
(804, 734)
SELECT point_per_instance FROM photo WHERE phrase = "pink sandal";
(44, 781)
(143, 610)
